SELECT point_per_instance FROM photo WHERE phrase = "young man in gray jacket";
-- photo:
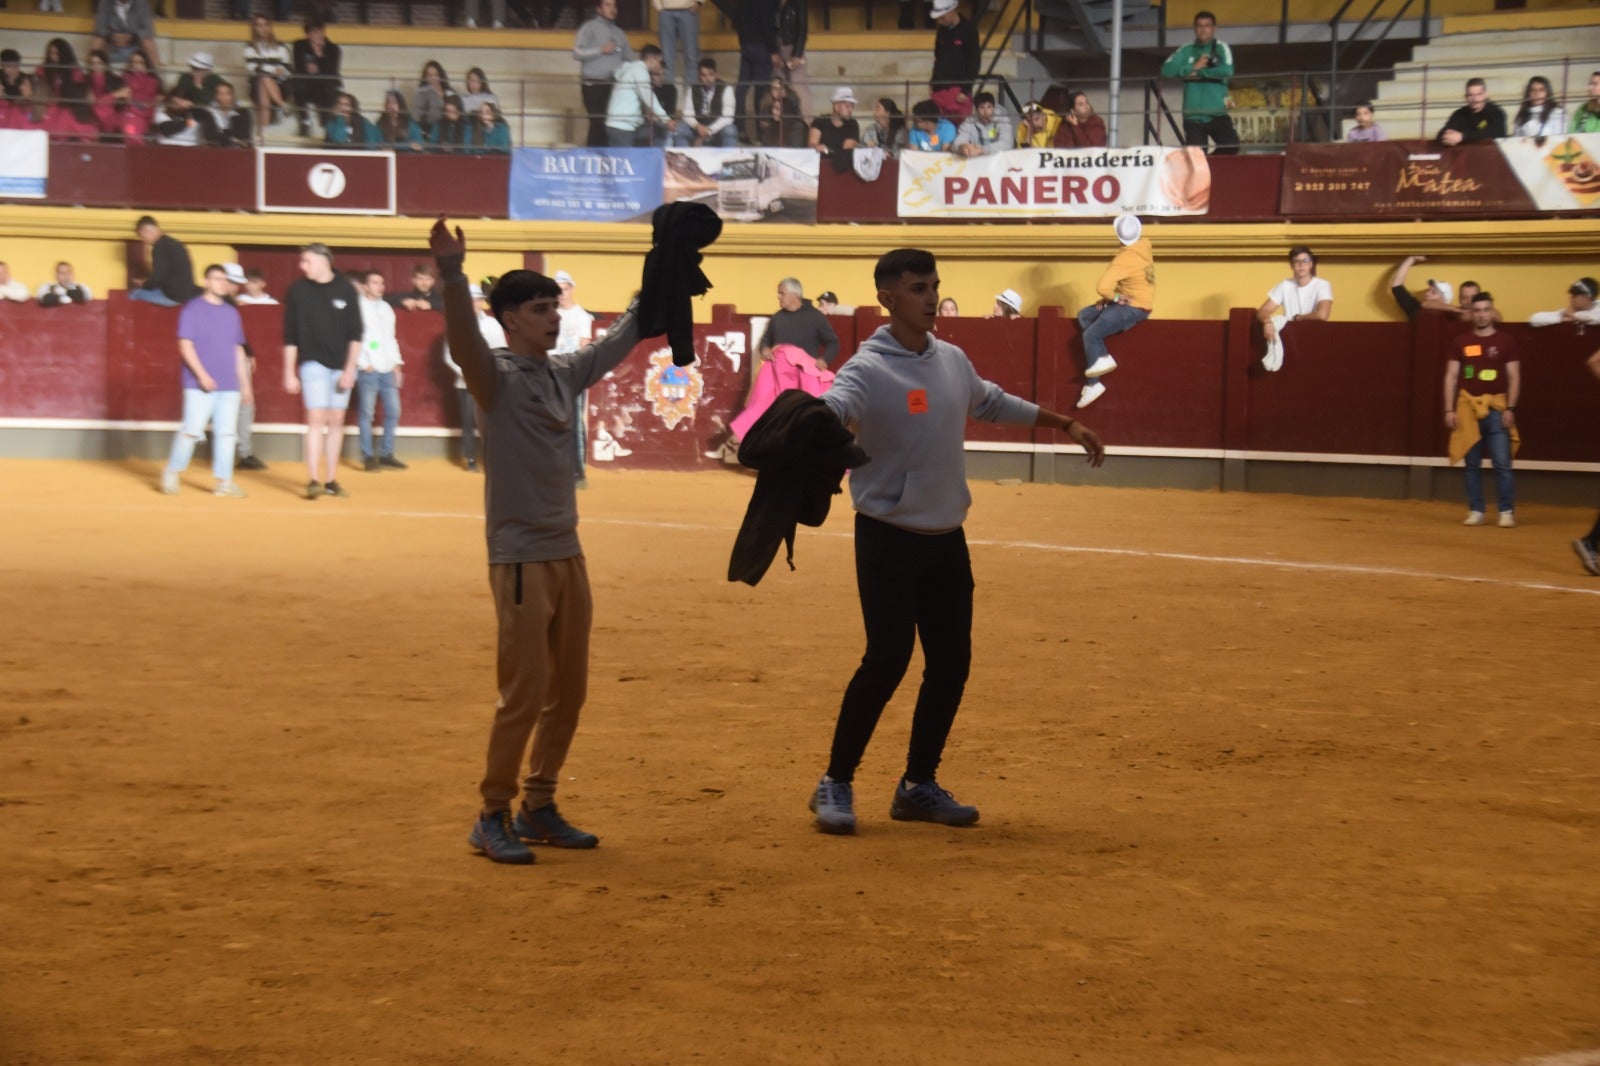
(600, 48)
(986, 131)
(908, 396)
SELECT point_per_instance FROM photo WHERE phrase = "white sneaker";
(1508, 519)
(499, 25)
(1474, 518)
(169, 483)
(472, 24)
(1103, 365)
(1273, 360)
(229, 489)
(1092, 392)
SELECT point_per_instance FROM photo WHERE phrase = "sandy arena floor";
(1264, 780)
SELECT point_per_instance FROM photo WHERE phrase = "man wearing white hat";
(1127, 296)
(199, 83)
(957, 58)
(577, 329)
(838, 132)
(1008, 304)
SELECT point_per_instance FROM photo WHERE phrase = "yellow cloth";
(1469, 409)
(1028, 137)
(1132, 274)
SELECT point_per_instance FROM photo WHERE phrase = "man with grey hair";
(798, 323)
(321, 342)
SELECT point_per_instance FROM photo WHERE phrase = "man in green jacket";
(1205, 65)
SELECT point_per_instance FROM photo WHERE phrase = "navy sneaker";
(928, 802)
(1587, 555)
(834, 804)
(493, 835)
(546, 826)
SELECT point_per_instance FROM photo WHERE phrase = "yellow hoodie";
(1132, 274)
(1028, 137)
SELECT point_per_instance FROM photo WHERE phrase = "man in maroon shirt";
(1481, 384)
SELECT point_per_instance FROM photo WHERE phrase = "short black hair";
(1468, 285)
(1590, 287)
(1301, 249)
(1483, 297)
(982, 98)
(145, 220)
(1363, 103)
(1479, 82)
(903, 261)
(1198, 15)
(926, 109)
(708, 63)
(206, 273)
(650, 50)
(516, 288)
(10, 55)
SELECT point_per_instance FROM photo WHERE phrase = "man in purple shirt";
(211, 343)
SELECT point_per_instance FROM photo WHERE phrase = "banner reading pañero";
(1055, 183)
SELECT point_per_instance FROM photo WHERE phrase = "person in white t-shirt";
(494, 335)
(378, 374)
(255, 290)
(1295, 299)
(577, 329)
(10, 288)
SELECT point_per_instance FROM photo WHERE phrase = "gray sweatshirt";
(592, 36)
(910, 412)
(526, 410)
(992, 136)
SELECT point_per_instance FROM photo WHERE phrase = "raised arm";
(1400, 272)
(467, 346)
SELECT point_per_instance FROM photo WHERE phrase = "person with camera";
(1205, 65)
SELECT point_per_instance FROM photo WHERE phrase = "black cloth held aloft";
(672, 274)
(800, 451)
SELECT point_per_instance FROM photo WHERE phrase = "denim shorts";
(319, 387)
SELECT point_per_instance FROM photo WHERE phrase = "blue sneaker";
(546, 826)
(834, 804)
(492, 834)
(928, 802)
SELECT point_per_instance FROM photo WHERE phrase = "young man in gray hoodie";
(908, 396)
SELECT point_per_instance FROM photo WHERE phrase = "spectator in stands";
(931, 131)
(829, 304)
(755, 22)
(11, 75)
(1365, 129)
(424, 294)
(215, 383)
(986, 131)
(66, 289)
(396, 127)
(348, 126)
(59, 69)
(495, 337)
(778, 120)
(887, 130)
(948, 308)
(122, 27)
(378, 374)
(1479, 119)
(473, 9)
(634, 110)
(453, 131)
(1465, 294)
(231, 127)
(1205, 65)
(106, 91)
(1080, 126)
(478, 92)
(679, 24)
(600, 49)
(199, 83)
(491, 133)
(1127, 293)
(316, 82)
(1540, 115)
(321, 343)
(1038, 127)
(1438, 296)
(798, 323)
(956, 48)
(427, 103)
(255, 290)
(710, 119)
(1299, 298)
(180, 123)
(145, 93)
(26, 110)
(1586, 119)
(1007, 304)
(1482, 382)
(171, 280)
(10, 288)
(838, 132)
(1580, 307)
(267, 59)
(789, 62)
(667, 97)
(71, 117)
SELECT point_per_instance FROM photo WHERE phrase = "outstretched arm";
(1404, 268)
(467, 345)
(1095, 452)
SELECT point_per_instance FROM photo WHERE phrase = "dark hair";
(102, 55)
(1363, 103)
(214, 266)
(483, 79)
(897, 121)
(517, 287)
(224, 83)
(10, 55)
(1301, 249)
(1528, 110)
(254, 274)
(1591, 286)
(145, 220)
(313, 23)
(708, 63)
(65, 56)
(367, 273)
(421, 268)
(1479, 82)
(650, 50)
(1465, 285)
(1483, 297)
(982, 98)
(926, 109)
(1198, 15)
(452, 100)
(903, 261)
(444, 79)
(63, 263)
(1072, 98)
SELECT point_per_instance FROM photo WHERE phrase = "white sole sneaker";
(1091, 392)
(169, 484)
(1508, 520)
(1103, 365)
(1474, 518)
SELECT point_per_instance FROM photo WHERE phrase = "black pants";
(912, 585)
(1219, 130)
(596, 98)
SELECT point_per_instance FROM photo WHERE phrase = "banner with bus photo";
(1055, 183)
(745, 184)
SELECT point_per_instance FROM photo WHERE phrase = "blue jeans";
(152, 296)
(1497, 439)
(637, 138)
(1099, 322)
(221, 409)
(369, 386)
(681, 27)
(683, 136)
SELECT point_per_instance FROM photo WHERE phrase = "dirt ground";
(1264, 780)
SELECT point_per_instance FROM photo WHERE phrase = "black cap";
(829, 297)
(1585, 287)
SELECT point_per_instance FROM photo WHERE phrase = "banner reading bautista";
(1055, 183)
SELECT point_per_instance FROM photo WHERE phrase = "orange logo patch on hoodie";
(917, 401)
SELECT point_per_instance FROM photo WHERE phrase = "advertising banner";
(24, 163)
(1055, 183)
(1514, 175)
(313, 181)
(585, 184)
(746, 184)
